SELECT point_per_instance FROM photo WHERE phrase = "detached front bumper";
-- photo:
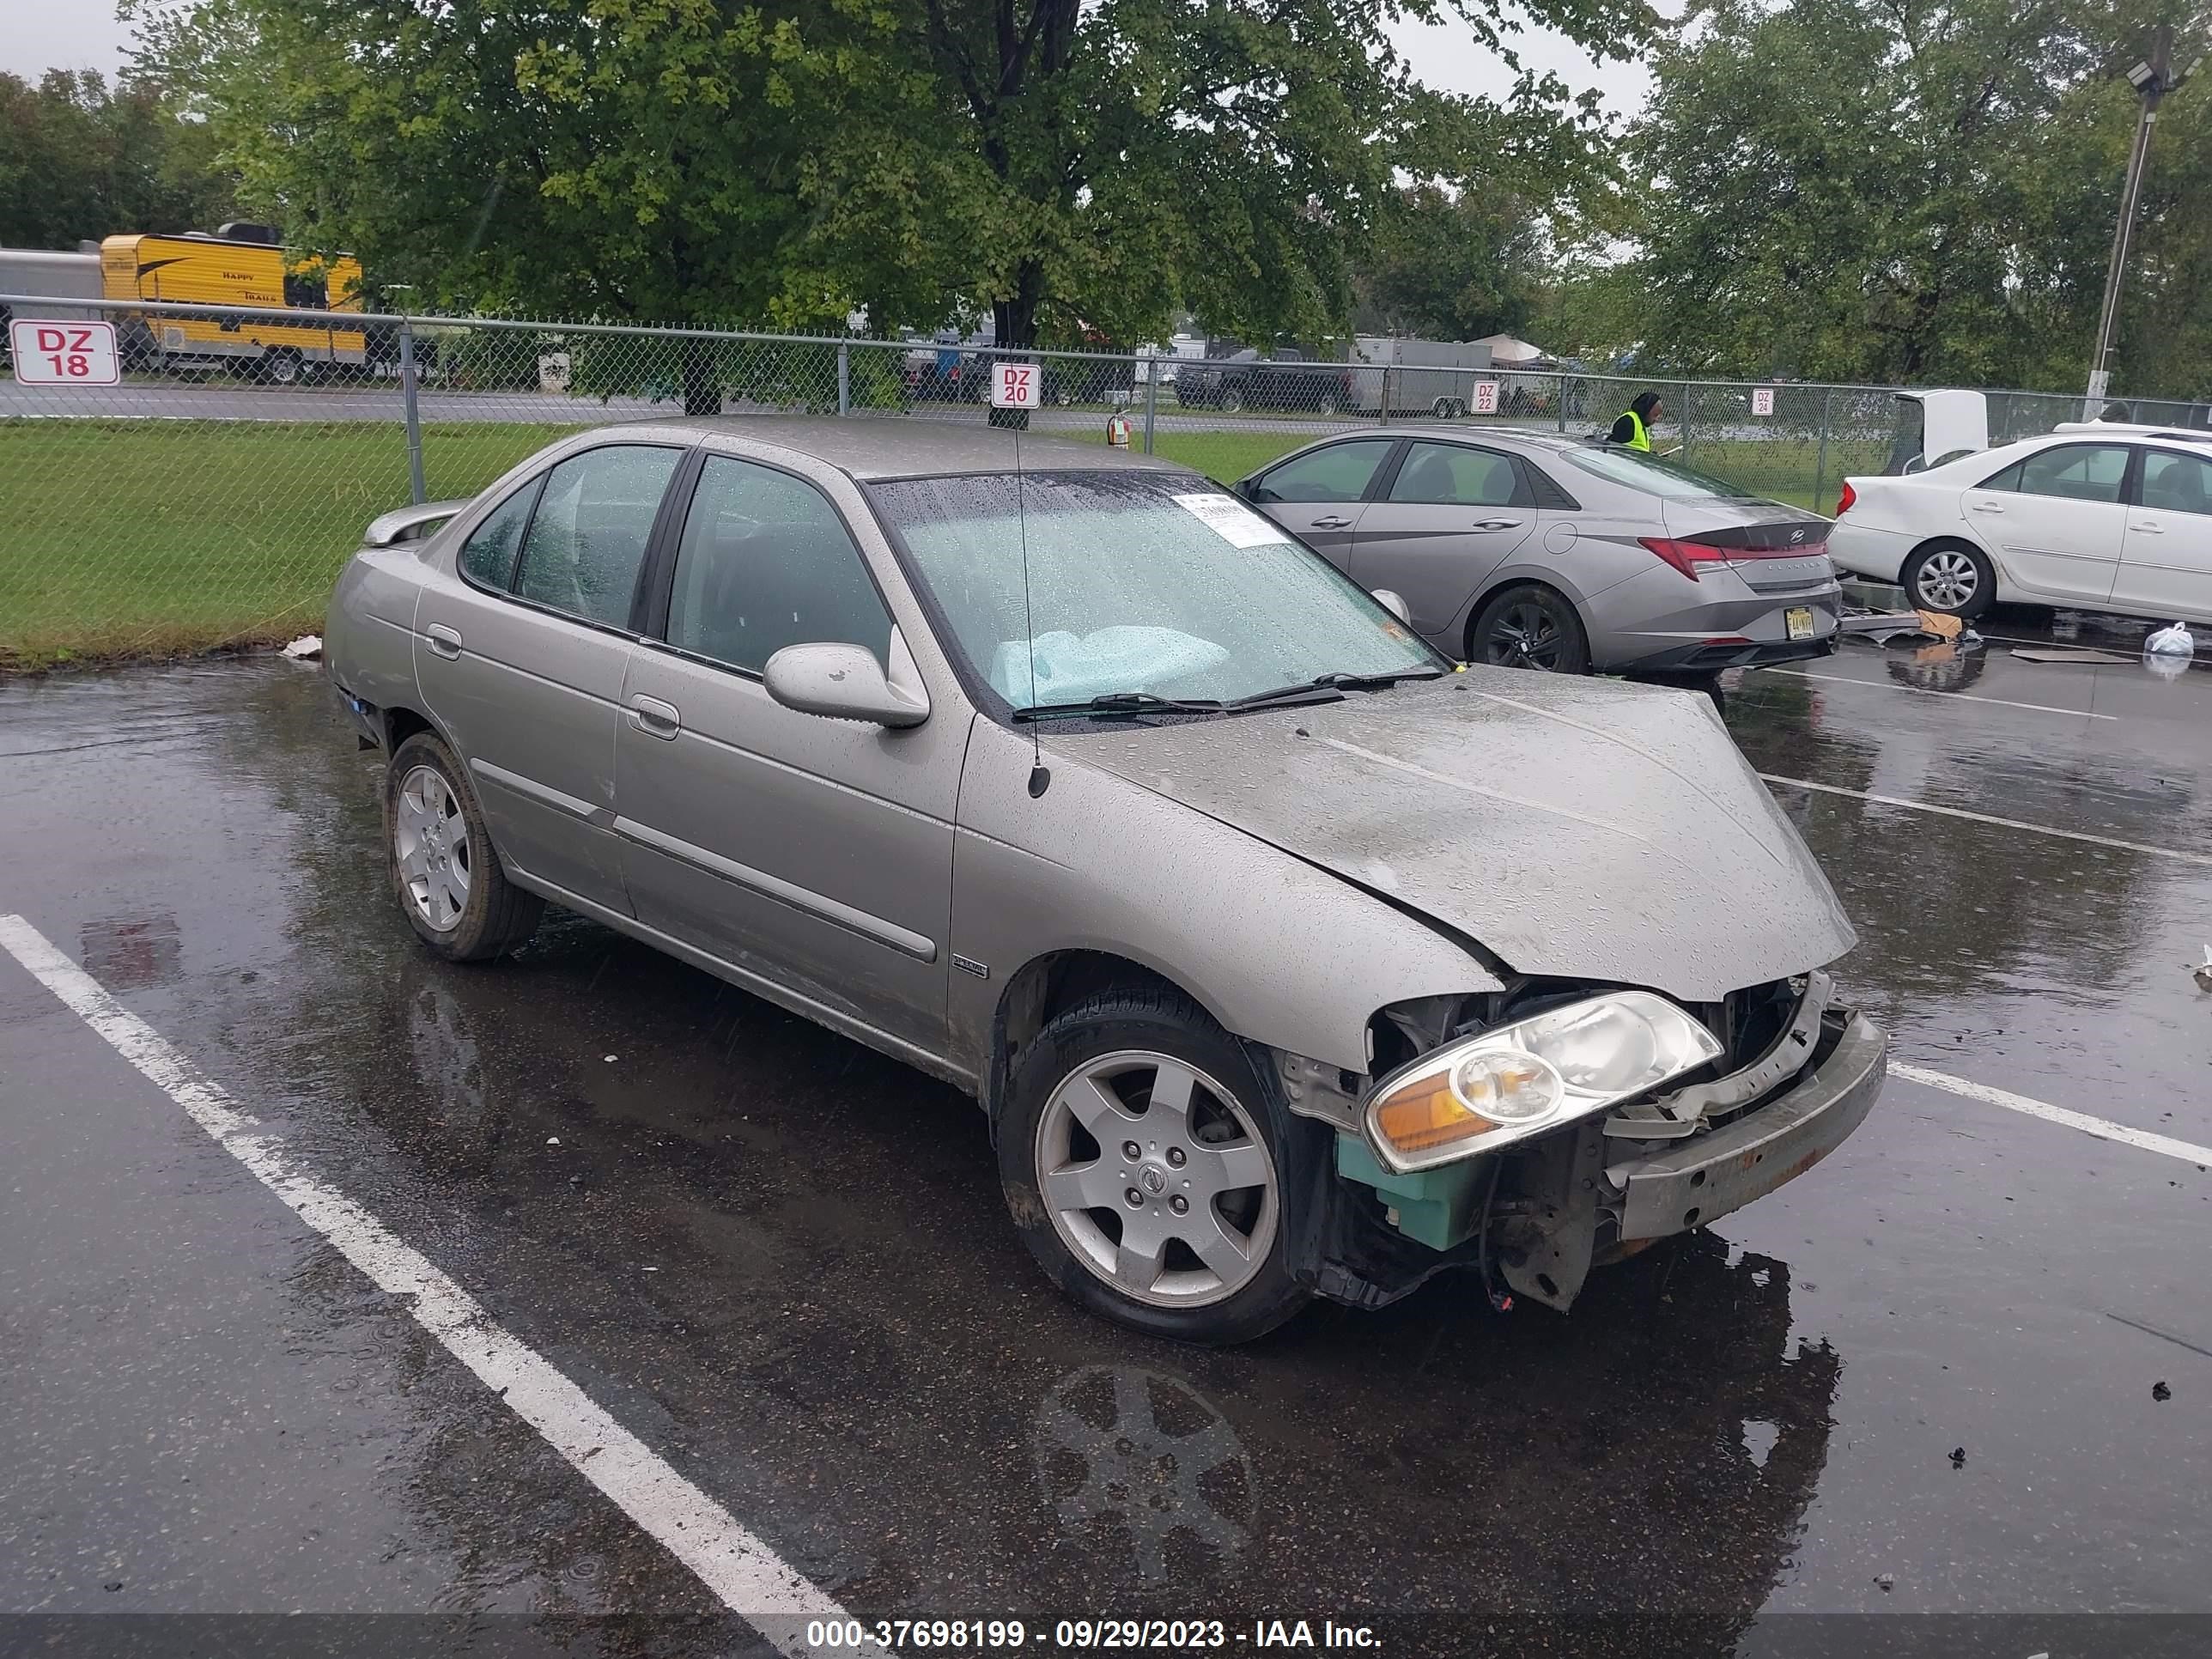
(1707, 1176)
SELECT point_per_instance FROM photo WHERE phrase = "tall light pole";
(2153, 77)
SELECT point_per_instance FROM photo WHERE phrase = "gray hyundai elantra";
(1534, 550)
(1286, 957)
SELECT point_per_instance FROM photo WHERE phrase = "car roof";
(1460, 432)
(896, 446)
(2131, 429)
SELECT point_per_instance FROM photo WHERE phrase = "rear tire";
(1442, 409)
(1530, 626)
(1951, 579)
(1150, 1071)
(282, 367)
(1232, 401)
(444, 870)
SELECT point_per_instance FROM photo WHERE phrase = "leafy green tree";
(1449, 267)
(81, 159)
(1071, 169)
(1882, 189)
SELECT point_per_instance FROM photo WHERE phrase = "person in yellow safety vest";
(1633, 429)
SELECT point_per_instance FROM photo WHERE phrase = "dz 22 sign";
(64, 354)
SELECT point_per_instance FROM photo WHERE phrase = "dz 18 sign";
(1014, 386)
(64, 354)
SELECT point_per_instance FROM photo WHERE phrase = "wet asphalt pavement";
(781, 1260)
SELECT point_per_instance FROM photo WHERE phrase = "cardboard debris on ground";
(2067, 653)
(306, 645)
(1942, 627)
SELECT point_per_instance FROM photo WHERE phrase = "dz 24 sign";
(64, 354)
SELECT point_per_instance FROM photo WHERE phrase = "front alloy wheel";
(1156, 1179)
(1152, 1170)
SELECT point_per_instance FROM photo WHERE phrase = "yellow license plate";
(1800, 623)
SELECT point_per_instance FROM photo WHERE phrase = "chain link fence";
(211, 493)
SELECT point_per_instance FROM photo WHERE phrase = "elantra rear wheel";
(1530, 626)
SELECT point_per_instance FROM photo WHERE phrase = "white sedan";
(2114, 519)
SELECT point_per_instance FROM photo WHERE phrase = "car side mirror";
(1394, 603)
(846, 682)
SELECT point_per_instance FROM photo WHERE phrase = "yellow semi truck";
(240, 264)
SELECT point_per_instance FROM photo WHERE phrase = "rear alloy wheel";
(1952, 578)
(1530, 626)
(444, 870)
(1324, 406)
(1141, 1161)
(282, 366)
(1232, 401)
(1442, 409)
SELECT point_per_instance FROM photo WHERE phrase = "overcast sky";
(43, 35)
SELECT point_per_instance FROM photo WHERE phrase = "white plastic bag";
(2175, 642)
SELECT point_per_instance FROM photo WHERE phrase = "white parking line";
(2179, 853)
(750, 1578)
(2103, 1128)
(1924, 691)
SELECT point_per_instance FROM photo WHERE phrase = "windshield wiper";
(1345, 681)
(1332, 686)
(1125, 702)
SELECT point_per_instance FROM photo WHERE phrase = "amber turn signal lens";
(1429, 1115)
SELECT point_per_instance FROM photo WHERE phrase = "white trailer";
(1423, 377)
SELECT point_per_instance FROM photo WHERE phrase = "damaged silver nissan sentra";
(1286, 957)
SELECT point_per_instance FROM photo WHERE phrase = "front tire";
(1232, 401)
(1530, 626)
(1144, 1162)
(1950, 578)
(444, 870)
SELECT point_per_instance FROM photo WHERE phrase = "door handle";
(444, 642)
(1497, 524)
(1989, 506)
(2148, 528)
(655, 718)
(1332, 522)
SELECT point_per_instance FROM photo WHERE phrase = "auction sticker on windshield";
(1235, 523)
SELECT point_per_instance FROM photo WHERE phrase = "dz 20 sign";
(1016, 385)
(64, 354)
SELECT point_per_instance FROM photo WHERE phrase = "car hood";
(1575, 828)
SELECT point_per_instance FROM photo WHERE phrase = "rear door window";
(1337, 472)
(2176, 483)
(587, 539)
(2075, 472)
(1455, 475)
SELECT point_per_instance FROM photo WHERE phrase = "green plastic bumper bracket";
(1436, 1207)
